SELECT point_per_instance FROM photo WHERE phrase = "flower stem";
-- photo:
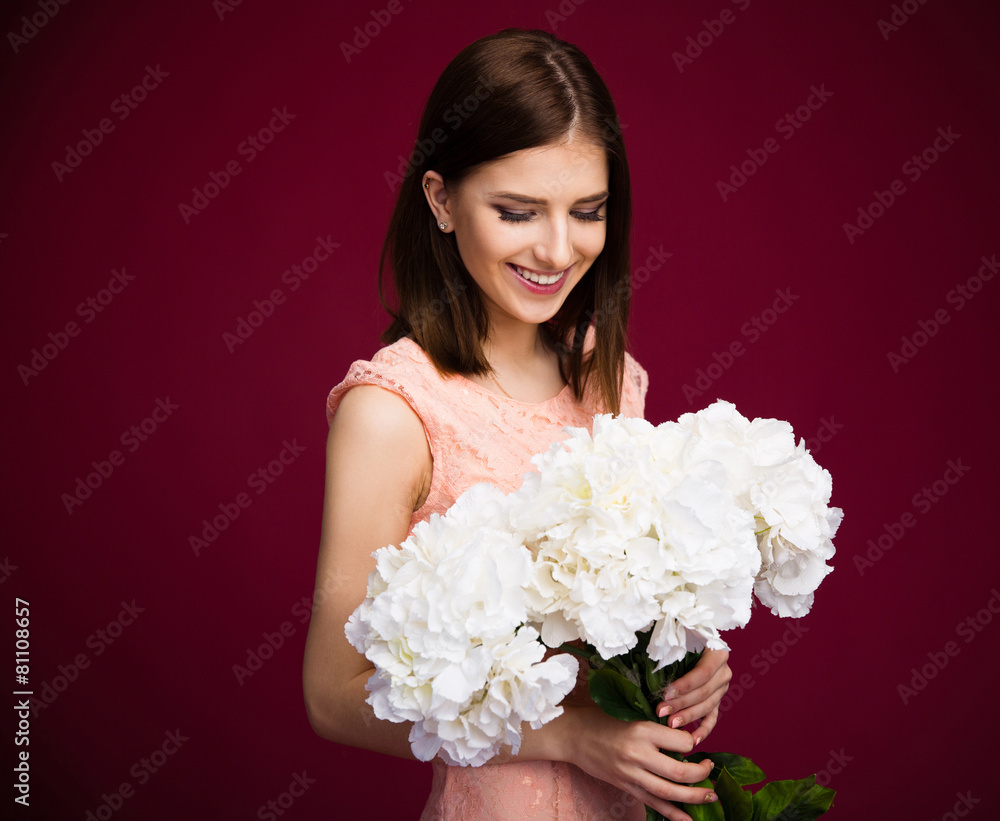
(576, 651)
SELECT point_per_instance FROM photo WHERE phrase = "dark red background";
(829, 695)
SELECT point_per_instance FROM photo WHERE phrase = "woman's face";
(529, 226)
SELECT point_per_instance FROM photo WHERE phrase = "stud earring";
(442, 225)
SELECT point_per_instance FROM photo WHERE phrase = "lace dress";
(477, 436)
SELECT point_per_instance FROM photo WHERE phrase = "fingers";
(699, 692)
(706, 726)
(708, 667)
(629, 755)
(660, 784)
(706, 700)
(668, 809)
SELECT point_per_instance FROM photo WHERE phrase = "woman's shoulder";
(636, 378)
(635, 382)
(401, 367)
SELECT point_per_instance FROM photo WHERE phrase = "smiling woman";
(543, 98)
(526, 263)
(509, 258)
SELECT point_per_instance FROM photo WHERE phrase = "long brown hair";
(509, 91)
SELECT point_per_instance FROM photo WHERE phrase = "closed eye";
(526, 216)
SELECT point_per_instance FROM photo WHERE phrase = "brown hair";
(538, 89)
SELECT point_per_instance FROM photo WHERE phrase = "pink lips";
(534, 287)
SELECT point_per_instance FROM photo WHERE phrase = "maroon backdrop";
(819, 185)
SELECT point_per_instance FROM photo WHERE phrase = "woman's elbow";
(323, 711)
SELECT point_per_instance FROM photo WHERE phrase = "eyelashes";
(583, 216)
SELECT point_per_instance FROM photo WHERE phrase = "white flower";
(442, 623)
(796, 527)
(632, 527)
(787, 492)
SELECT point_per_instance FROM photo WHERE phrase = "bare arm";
(378, 472)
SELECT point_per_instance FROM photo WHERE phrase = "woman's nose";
(554, 247)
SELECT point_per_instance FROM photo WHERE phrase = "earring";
(442, 225)
(427, 185)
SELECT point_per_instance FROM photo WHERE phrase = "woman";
(510, 261)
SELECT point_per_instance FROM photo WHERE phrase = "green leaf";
(742, 769)
(705, 812)
(618, 696)
(736, 802)
(802, 800)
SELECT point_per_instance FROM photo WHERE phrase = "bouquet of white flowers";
(641, 541)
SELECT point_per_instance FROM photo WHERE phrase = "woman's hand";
(697, 694)
(627, 755)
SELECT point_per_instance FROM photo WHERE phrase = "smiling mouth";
(539, 279)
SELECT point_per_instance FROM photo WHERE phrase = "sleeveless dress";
(477, 436)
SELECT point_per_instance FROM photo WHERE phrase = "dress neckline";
(487, 391)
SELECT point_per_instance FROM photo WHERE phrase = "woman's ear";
(439, 200)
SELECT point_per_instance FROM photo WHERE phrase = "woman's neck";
(524, 365)
(516, 346)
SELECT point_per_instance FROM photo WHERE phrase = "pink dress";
(477, 436)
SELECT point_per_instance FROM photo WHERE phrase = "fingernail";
(697, 740)
(676, 722)
(666, 710)
(670, 692)
(711, 797)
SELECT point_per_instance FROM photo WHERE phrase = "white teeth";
(539, 279)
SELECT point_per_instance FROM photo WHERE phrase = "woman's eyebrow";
(508, 195)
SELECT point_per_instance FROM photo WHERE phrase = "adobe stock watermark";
(6, 569)
(753, 329)
(250, 148)
(923, 501)
(639, 277)
(258, 481)
(562, 13)
(142, 771)
(913, 169)
(40, 357)
(132, 438)
(380, 21)
(712, 29)
(786, 126)
(968, 630)
(762, 662)
(98, 641)
(453, 116)
(31, 26)
(301, 613)
(964, 803)
(927, 329)
(224, 7)
(835, 765)
(264, 309)
(901, 14)
(122, 106)
(620, 807)
(828, 428)
(276, 807)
